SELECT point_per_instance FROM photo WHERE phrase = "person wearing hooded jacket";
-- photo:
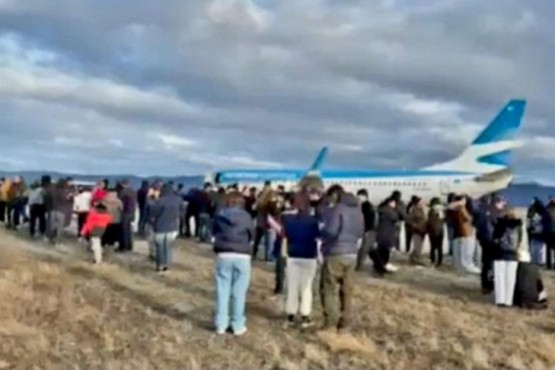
(386, 237)
(342, 228)
(233, 233)
(164, 217)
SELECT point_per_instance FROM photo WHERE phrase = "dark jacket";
(165, 213)
(485, 219)
(302, 233)
(129, 201)
(436, 221)
(528, 287)
(233, 231)
(507, 237)
(142, 195)
(417, 221)
(388, 219)
(343, 227)
(369, 214)
(549, 220)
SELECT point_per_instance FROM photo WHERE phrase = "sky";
(185, 87)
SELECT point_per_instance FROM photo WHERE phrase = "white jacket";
(82, 202)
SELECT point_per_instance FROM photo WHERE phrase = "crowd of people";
(301, 232)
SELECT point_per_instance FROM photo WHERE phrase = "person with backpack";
(435, 227)
(507, 237)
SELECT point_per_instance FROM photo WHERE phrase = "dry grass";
(58, 311)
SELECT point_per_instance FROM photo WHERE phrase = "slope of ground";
(58, 311)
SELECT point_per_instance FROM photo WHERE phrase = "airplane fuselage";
(378, 184)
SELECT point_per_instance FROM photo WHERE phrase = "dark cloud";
(182, 87)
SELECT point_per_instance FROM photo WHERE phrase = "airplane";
(483, 168)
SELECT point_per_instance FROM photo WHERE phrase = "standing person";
(464, 243)
(142, 196)
(369, 239)
(342, 229)
(114, 207)
(386, 234)
(549, 233)
(301, 232)
(435, 227)
(3, 199)
(507, 238)
(100, 192)
(534, 221)
(95, 226)
(16, 202)
(418, 224)
(233, 231)
(401, 209)
(164, 215)
(129, 201)
(37, 210)
(81, 206)
(206, 200)
(153, 195)
(262, 206)
(408, 226)
(486, 217)
(57, 205)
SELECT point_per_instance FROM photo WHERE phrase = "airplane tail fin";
(317, 164)
(491, 150)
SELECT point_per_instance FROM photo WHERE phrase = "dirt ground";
(57, 311)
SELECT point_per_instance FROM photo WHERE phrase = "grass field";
(58, 311)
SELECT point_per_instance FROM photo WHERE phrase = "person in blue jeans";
(233, 233)
(164, 217)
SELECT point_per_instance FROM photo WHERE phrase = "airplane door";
(444, 187)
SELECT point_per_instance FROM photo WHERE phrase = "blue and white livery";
(483, 168)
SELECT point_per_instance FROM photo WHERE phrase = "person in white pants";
(301, 246)
(508, 239)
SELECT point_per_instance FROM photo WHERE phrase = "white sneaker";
(391, 268)
(240, 332)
